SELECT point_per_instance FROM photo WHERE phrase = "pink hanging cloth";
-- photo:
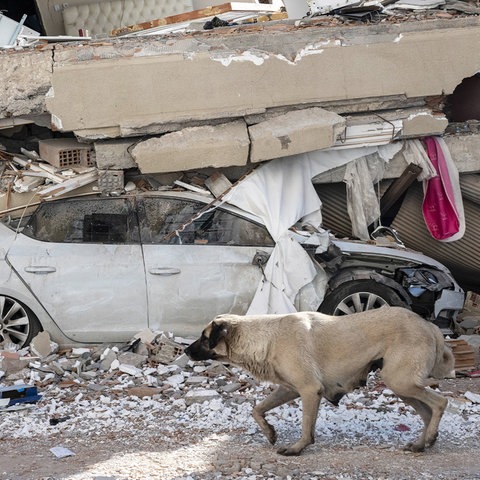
(439, 210)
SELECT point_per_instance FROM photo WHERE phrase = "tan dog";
(310, 355)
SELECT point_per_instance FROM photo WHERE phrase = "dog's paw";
(271, 435)
(288, 451)
(431, 442)
(414, 447)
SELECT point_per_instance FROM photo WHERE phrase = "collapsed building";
(167, 98)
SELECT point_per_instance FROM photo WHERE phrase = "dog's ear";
(218, 332)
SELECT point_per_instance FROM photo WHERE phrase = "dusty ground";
(160, 452)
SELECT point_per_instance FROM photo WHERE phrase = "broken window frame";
(197, 226)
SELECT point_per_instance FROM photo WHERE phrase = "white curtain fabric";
(281, 193)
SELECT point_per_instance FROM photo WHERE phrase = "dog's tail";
(444, 366)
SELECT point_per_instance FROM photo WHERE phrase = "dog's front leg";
(278, 397)
(311, 397)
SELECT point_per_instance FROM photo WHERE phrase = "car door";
(83, 261)
(197, 268)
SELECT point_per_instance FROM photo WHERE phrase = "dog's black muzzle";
(197, 352)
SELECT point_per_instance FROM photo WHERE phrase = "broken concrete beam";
(114, 154)
(464, 150)
(424, 123)
(222, 76)
(26, 79)
(195, 147)
(295, 132)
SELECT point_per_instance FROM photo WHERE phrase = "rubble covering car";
(93, 269)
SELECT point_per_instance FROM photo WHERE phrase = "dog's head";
(211, 344)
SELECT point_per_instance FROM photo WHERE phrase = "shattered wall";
(252, 78)
(26, 78)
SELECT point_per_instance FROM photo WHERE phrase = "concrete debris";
(21, 174)
(61, 452)
(200, 395)
(473, 397)
(163, 370)
(167, 401)
(133, 359)
(42, 346)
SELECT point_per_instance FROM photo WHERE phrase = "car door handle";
(164, 271)
(40, 270)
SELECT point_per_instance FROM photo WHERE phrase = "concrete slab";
(157, 81)
(295, 132)
(424, 124)
(26, 80)
(196, 147)
(114, 154)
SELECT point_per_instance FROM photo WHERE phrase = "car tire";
(18, 324)
(358, 296)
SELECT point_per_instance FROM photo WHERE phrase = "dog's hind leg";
(429, 405)
(311, 397)
(426, 413)
(278, 397)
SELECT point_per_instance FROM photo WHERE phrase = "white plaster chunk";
(424, 123)
(194, 147)
(257, 58)
(294, 133)
(130, 370)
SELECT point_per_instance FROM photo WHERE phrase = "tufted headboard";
(105, 16)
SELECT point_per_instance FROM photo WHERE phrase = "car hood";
(409, 256)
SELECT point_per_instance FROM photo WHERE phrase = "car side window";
(172, 221)
(84, 221)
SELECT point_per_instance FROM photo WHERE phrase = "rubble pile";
(29, 173)
(149, 385)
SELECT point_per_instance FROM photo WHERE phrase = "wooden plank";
(398, 188)
(195, 15)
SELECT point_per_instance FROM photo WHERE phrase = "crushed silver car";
(97, 269)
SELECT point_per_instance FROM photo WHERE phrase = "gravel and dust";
(111, 433)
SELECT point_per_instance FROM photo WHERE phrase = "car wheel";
(18, 324)
(358, 296)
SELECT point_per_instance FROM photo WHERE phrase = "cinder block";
(109, 180)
